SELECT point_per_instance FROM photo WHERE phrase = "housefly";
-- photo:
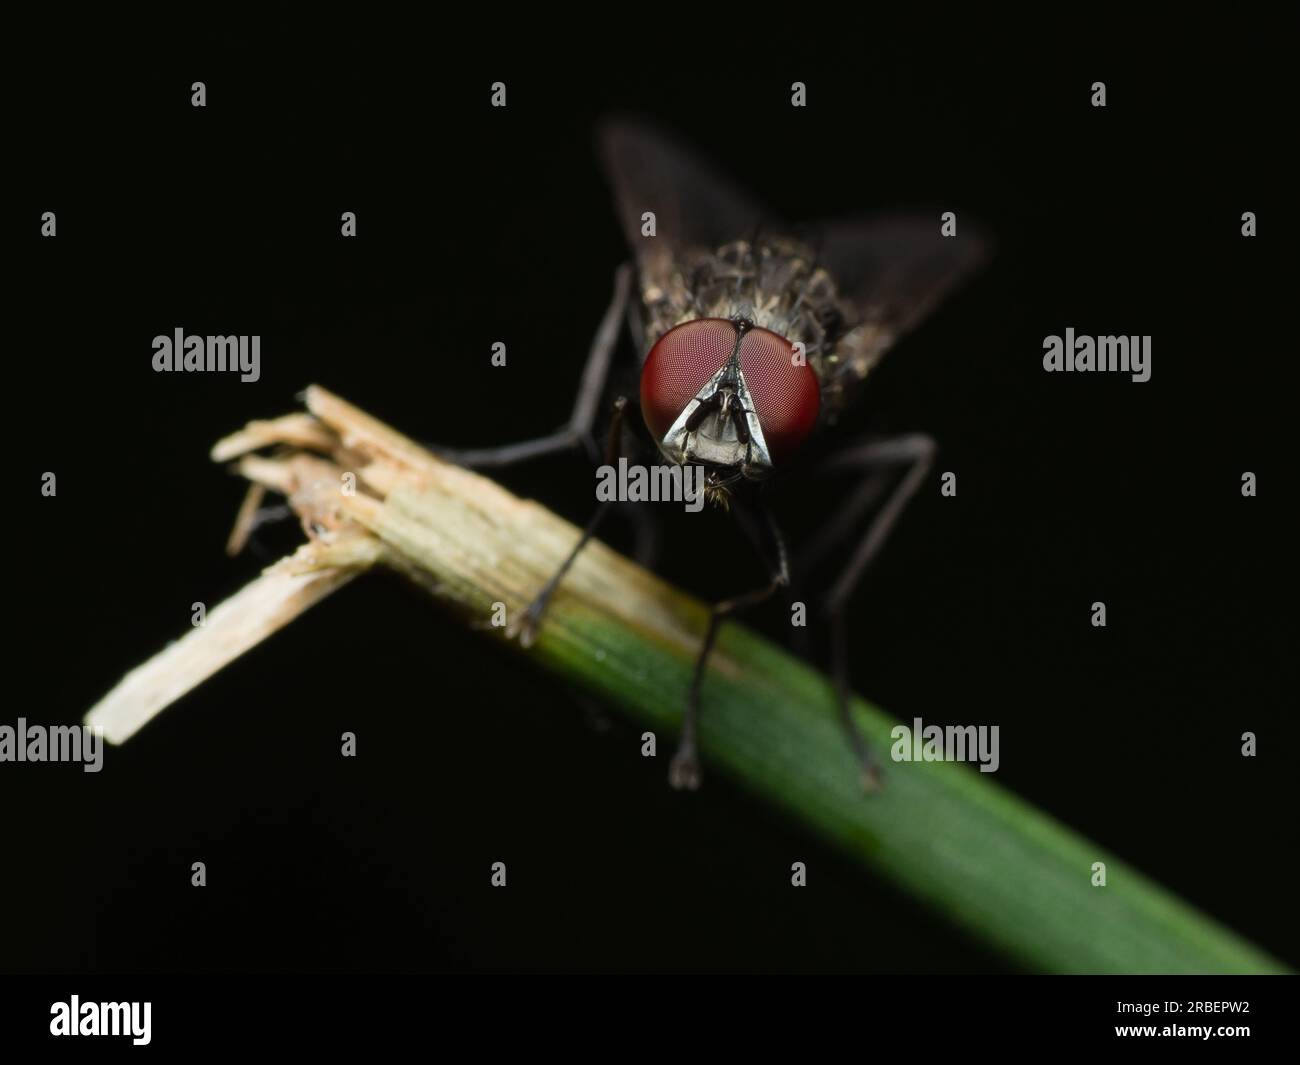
(752, 335)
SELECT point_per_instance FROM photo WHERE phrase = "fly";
(753, 336)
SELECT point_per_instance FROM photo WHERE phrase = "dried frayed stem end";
(365, 493)
(287, 589)
(322, 491)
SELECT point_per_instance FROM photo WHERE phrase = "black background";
(479, 225)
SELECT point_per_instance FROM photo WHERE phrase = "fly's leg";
(645, 532)
(525, 625)
(635, 320)
(684, 770)
(915, 452)
(578, 431)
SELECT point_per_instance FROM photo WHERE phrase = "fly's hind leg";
(915, 453)
(578, 431)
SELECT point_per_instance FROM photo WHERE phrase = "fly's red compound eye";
(679, 365)
(785, 393)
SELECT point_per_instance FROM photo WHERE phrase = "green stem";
(945, 833)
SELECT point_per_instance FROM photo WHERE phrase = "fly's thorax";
(775, 282)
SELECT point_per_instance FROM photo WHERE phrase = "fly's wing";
(695, 211)
(892, 270)
(889, 271)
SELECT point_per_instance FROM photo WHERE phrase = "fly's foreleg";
(578, 431)
(915, 452)
(684, 770)
(526, 624)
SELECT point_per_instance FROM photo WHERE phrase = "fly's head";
(730, 396)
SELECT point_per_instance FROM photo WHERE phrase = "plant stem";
(950, 836)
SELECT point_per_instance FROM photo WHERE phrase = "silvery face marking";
(719, 427)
